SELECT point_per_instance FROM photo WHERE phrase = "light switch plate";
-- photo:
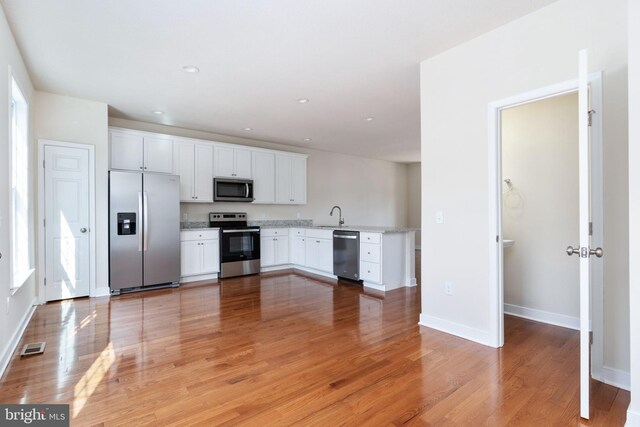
(439, 217)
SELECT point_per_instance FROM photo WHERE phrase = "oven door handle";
(241, 231)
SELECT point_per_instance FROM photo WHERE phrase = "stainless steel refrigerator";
(144, 230)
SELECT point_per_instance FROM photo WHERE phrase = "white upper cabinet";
(158, 155)
(203, 181)
(232, 162)
(278, 177)
(291, 179)
(126, 151)
(183, 165)
(140, 153)
(194, 163)
(264, 177)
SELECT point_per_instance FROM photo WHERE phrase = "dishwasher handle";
(343, 236)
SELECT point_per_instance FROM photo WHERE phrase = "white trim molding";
(16, 337)
(543, 316)
(633, 419)
(614, 377)
(458, 329)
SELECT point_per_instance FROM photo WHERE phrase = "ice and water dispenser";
(126, 223)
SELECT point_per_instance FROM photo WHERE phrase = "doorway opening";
(524, 200)
(539, 143)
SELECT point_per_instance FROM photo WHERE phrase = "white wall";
(63, 118)
(370, 192)
(535, 51)
(414, 198)
(540, 157)
(13, 308)
(633, 415)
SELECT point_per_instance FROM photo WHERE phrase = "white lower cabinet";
(274, 247)
(319, 250)
(199, 254)
(298, 247)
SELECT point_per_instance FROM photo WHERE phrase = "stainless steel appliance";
(239, 244)
(346, 254)
(232, 190)
(144, 230)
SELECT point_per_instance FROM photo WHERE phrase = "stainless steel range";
(239, 244)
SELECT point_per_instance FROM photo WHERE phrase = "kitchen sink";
(331, 226)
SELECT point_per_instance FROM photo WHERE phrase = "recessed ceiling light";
(303, 100)
(307, 139)
(190, 69)
(368, 119)
(158, 112)
(247, 129)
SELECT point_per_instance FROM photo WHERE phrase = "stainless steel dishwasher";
(346, 254)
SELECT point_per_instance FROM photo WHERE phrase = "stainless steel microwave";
(232, 190)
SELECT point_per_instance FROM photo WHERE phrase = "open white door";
(584, 251)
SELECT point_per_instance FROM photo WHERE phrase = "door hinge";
(591, 337)
(497, 239)
(591, 113)
(44, 222)
(590, 229)
(45, 281)
(43, 164)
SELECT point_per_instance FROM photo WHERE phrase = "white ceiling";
(351, 58)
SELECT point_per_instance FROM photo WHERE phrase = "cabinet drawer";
(298, 232)
(319, 234)
(370, 252)
(274, 232)
(199, 234)
(370, 237)
(370, 272)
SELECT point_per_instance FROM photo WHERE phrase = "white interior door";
(66, 188)
(584, 251)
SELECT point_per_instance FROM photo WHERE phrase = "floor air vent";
(33, 348)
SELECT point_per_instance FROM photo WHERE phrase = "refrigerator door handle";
(145, 225)
(139, 217)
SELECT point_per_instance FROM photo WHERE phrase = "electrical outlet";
(185, 216)
(298, 215)
(448, 288)
(439, 217)
(8, 302)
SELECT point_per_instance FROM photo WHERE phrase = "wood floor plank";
(292, 349)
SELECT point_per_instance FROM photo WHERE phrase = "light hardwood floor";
(290, 349)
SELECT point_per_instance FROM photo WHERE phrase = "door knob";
(597, 252)
(83, 230)
(572, 251)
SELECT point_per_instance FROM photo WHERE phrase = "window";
(20, 218)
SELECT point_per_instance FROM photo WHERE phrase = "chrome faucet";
(341, 220)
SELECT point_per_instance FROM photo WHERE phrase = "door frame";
(42, 297)
(495, 248)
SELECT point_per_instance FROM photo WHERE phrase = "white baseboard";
(457, 329)
(15, 338)
(103, 291)
(189, 279)
(543, 316)
(633, 419)
(277, 268)
(614, 377)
